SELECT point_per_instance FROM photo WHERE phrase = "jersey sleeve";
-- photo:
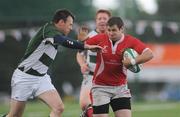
(95, 40)
(53, 36)
(68, 42)
(138, 45)
(49, 32)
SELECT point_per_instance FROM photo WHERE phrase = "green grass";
(143, 109)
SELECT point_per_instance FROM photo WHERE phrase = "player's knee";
(14, 115)
(58, 109)
(83, 105)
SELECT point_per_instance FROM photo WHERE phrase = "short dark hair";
(103, 11)
(115, 21)
(62, 14)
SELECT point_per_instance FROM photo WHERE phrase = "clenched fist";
(83, 32)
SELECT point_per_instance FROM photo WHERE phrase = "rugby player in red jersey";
(110, 76)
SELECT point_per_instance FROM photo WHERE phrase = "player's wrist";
(133, 62)
(86, 47)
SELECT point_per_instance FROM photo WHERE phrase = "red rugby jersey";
(109, 68)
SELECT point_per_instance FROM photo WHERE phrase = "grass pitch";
(142, 109)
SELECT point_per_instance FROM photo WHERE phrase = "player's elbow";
(149, 55)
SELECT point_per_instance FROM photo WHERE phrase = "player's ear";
(122, 28)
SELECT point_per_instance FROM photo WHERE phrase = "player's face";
(65, 26)
(68, 25)
(101, 20)
(114, 32)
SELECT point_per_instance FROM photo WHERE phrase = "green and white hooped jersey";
(41, 51)
(91, 56)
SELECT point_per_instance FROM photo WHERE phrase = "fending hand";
(83, 32)
(93, 48)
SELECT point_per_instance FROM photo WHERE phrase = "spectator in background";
(30, 79)
(110, 76)
(87, 63)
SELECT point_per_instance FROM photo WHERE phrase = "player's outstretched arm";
(74, 44)
(68, 42)
(93, 48)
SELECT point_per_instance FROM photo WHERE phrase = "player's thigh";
(17, 107)
(52, 99)
(85, 92)
(84, 98)
(123, 113)
(121, 107)
(101, 98)
(101, 110)
(47, 93)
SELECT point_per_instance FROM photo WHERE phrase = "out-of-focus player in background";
(110, 76)
(30, 79)
(87, 63)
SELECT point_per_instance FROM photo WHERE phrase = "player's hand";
(83, 32)
(84, 68)
(93, 48)
(126, 62)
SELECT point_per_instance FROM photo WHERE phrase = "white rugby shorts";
(25, 86)
(104, 94)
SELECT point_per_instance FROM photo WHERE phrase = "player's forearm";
(68, 42)
(144, 57)
(80, 59)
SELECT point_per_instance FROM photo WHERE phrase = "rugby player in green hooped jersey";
(30, 78)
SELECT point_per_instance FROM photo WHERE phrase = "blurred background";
(155, 22)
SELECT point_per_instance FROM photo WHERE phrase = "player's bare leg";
(85, 102)
(84, 97)
(53, 100)
(123, 113)
(100, 115)
(16, 108)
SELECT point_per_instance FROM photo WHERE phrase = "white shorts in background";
(87, 81)
(25, 86)
(104, 94)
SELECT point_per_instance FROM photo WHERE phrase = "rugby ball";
(131, 54)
